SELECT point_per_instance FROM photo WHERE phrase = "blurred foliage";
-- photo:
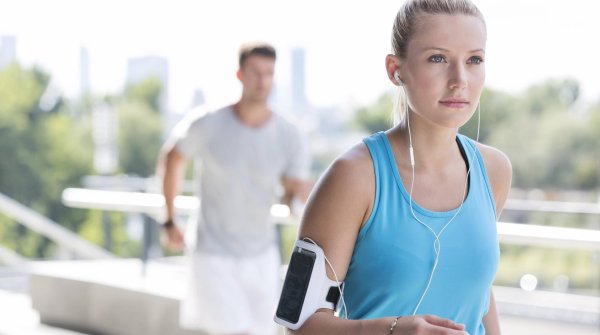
(45, 151)
(41, 155)
(553, 142)
(288, 234)
(120, 243)
(549, 266)
(139, 139)
(147, 91)
(377, 117)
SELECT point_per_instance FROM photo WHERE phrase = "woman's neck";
(433, 146)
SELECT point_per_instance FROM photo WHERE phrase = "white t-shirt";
(239, 171)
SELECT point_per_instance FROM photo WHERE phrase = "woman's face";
(443, 71)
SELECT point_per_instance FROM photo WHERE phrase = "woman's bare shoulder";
(343, 195)
(499, 171)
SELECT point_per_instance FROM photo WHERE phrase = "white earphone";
(397, 77)
(437, 247)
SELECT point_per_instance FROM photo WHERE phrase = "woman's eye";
(437, 59)
(475, 60)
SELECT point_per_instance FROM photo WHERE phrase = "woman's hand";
(428, 325)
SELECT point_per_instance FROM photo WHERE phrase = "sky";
(345, 43)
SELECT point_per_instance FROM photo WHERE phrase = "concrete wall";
(115, 297)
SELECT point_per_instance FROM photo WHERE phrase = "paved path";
(18, 318)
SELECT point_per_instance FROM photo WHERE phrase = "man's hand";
(173, 238)
(296, 188)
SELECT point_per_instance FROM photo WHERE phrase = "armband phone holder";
(306, 287)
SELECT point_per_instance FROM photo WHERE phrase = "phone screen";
(295, 285)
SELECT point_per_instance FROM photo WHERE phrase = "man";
(247, 158)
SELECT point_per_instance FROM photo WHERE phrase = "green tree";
(147, 91)
(497, 110)
(550, 96)
(139, 139)
(20, 92)
(550, 143)
(140, 127)
(376, 117)
(42, 153)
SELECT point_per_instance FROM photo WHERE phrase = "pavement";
(18, 318)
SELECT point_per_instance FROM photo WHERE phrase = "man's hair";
(256, 49)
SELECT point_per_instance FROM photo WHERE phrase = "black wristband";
(169, 224)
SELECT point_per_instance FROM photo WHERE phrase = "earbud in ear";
(397, 77)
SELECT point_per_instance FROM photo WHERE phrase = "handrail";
(10, 257)
(545, 236)
(552, 206)
(137, 202)
(153, 204)
(55, 232)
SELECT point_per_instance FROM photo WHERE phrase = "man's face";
(256, 75)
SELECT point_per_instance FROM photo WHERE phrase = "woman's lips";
(455, 103)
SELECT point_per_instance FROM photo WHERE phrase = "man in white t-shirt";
(244, 154)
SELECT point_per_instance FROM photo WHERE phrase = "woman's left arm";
(490, 320)
(500, 175)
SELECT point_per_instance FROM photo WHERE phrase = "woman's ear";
(392, 66)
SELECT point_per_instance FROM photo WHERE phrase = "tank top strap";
(478, 175)
(384, 173)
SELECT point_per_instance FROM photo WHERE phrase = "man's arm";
(171, 165)
(295, 188)
(295, 181)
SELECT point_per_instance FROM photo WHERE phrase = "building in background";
(197, 98)
(84, 72)
(8, 50)
(141, 68)
(298, 82)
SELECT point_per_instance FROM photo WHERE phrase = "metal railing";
(153, 204)
(545, 236)
(542, 304)
(50, 229)
(552, 206)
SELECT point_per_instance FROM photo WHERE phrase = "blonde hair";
(404, 28)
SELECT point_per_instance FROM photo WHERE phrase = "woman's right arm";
(334, 213)
(336, 210)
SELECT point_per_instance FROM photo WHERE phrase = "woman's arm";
(336, 210)
(490, 320)
(500, 175)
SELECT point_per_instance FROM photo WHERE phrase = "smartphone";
(295, 285)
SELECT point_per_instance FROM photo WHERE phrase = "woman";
(408, 218)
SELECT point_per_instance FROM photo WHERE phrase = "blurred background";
(89, 90)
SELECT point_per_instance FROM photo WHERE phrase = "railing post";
(107, 230)
(150, 240)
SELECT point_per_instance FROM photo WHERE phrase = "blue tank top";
(394, 254)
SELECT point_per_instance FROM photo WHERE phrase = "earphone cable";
(436, 242)
(334, 276)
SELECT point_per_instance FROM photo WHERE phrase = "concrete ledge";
(109, 296)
